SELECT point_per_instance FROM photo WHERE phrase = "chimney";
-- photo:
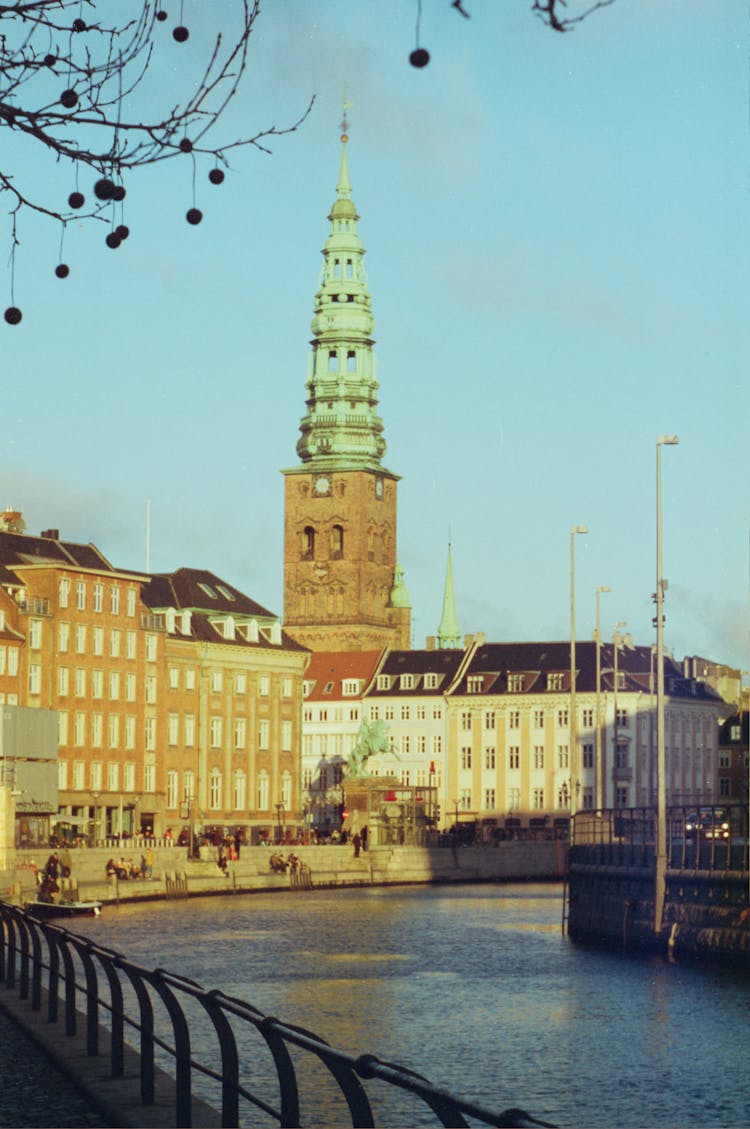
(51, 534)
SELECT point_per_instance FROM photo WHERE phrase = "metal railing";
(709, 837)
(95, 991)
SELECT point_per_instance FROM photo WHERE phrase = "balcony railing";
(34, 605)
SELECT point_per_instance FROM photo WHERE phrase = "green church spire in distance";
(342, 429)
(448, 635)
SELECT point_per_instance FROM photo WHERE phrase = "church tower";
(343, 587)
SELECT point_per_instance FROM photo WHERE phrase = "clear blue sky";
(557, 245)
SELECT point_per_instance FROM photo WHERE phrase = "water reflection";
(474, 987)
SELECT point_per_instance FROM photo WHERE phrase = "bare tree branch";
(549, 12)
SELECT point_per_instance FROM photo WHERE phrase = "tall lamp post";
(598, 730)
(661, 759)
(574, 773)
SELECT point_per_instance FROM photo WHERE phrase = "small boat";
(63, 909)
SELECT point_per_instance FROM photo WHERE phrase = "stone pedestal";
(363, 803)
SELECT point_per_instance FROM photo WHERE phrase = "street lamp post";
(598, 730)
(572, 720)
(661, 759)
(617, 639)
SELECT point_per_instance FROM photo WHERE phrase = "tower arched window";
(337, 543)
(349, 268)
(333, 361)
(307, 548)
(351, 361)
(337, 268)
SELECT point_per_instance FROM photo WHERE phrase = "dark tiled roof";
(494, 662)
(200, 589)
(21, 548)
(443, 663)
(725, 732)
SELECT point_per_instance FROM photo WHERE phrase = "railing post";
(147, 1032)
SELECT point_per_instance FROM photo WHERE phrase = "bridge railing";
(206, 1041)
(710, 837)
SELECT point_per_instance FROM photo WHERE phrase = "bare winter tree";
(79, 79)
(556, 14)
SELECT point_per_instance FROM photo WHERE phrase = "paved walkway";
(33, 1092)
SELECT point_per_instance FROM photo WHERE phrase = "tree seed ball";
(69, 98)
(104, 189)
(62, 270)
(76, 199)
(119, 193)
(181, 34)
(161, 15)
(122, 230)
(194, 215)
(50, 60)
(79, 25)
(13, 315)
(186, 145)
(216, 176)
(113, 240)
(419, 57)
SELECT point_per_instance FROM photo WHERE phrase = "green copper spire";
(448, 635)
(342, 428)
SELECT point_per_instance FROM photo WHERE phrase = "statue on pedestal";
(371, 739)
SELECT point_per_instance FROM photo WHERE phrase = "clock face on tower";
(322, 485)
(378, 487)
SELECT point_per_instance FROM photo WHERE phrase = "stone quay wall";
(319, 866)
(706, 913)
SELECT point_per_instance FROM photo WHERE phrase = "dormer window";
(555, 681)
(407, 681)
(430, 682)
(225, 592)
(516, 683)
(307, 687)
(208, 590)
(475, 683)
(169, 617)
(186, 622)
(351, 687)
(384, 682)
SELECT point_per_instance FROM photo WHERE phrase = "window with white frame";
(173, 728)
(62, 727)
(466, 720)
(286, 736)
(189, 729)
(490, 719)
(172, 778)
(80, 638)
(98, 597)
(489, 799)
(563, 756)
(130, 602)
(188, 784)
(79, 775)
(516, 683)
(287, 687)
(217, 681)
(95, 776)
(464, 799)
(216, 731)
(466, 757)
(563, 718)
(489, 757)
(97, 640)
(174, 678)
(149, 733)
(130, 731)
(406, 744)
(514, 799)
(264, 790)
(63, 637)
(113, 730)
(555, 681)
(131, 644)
(80, 682)
(113, 776)
(240, 732)
(35, 678)
(190, 678)
(538, 717)
(538, 756)
(264, 733)
(97, 684)
(130, 686)
(151, 648)
(239, 790)
(97, 730)
(81, 595)
(151, 689)
(12, 661)
(114, 600)
(437, 743)
(514, 719)
(35, 634)
(62, 775)
(149, 778)
(115, 642)
(421, 743)
(114, 685)
(63, 592)
(286, 788)
(588, 756)
(264, 685)
(587, 717)
(215, 783)
(240, 682)
(514, 756)
(537, 799)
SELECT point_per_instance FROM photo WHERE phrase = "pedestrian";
(52, 869)
(357, 840)
(148, 869)
(66, 863)
(363, 836)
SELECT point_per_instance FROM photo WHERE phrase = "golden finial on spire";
(344, 122)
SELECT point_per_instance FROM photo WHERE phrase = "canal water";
(474, 987)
